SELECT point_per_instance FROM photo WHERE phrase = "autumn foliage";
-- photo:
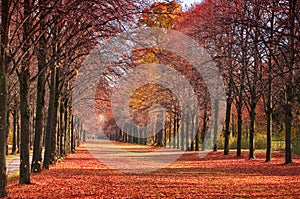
(215, 176)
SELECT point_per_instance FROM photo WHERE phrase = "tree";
(3, 93)
(289, 70)
(24, 78)
(41, 53)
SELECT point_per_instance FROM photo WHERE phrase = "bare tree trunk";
(18, 130)
(182, 132)
(49, 129)
(227, 126)
(269, 136)
(252, 132)
(3, 94)
(3, 127)
(197, 139)
(72, 135)
(67, 147)
(7, 130)
(239, 128)
(216, 122)
(14, 141)
(187, 130)
(204, 131)
(54, 134)
(62, 128)
(269, 100)
(40, 102)
(173, 143)
(288, 130)
(290, 91)
(192, 133)
(24, 77)
(24, 108)
(177, 131)
(3, 130)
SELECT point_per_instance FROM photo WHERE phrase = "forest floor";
(80, 175)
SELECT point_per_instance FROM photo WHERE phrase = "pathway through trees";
(80, 175)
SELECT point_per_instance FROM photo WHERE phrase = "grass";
(11, 157)
(13, 176)
(296, 149)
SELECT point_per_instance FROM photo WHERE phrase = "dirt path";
(80, 175)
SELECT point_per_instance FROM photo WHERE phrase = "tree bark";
(72, 134)
(3, 94)
(49, 129)
(193, 134)
(204, 131)
(25, 135)
(227, 126)
(24, 78)
(290, 91)
(239, 128)
(40, 101)
(288, 130)
(14, 141)
(55, 131)
(182, 132)
(187, 131)
(216, 122)
(252, 131)
(269, 136)
(7, 130)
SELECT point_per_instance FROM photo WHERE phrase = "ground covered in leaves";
(215, 176)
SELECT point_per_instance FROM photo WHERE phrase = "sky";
(189, 2)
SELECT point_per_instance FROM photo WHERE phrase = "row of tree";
(255, 45)
(43, 43)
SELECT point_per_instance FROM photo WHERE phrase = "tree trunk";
(18, 131)
(3, 113)
(182, 132)
(25, 134)
(197, 139)
(174, 132)
(58, 134)
(14, 141)
(145, 136)
(67, 148)
(62, 128)
(216, 123)
(227, 126)
(192, 133)
(55, 131)
(49, 129)
(159, 137)
(204, 131)
(3, 126)
(288, 130)
(3, 94)
(187, 131)
(252, 132)
(269, 100)
(24, 100)
(170, 135)
(239, 129)
(72, 134)
(269, 136)
(40, 103)
(290, 90)
(177, 131)
(7, 130)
